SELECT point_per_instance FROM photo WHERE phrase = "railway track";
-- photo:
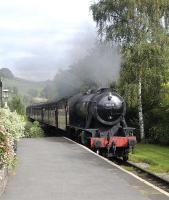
(144, 174)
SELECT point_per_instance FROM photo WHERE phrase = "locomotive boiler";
(94, 108)
(95, 118)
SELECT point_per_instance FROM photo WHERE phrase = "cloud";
(38, 35)
(55, 55)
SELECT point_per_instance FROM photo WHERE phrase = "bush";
(15, 104)
(159, 134)
(33, 130)
(13, 123)
(156, 121)
(11, 129)
(7, 154)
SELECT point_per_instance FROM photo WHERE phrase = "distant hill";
(23, 87)
(28, 90)
(6, 73)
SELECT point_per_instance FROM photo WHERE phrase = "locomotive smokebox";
(110, 108)
(102, 105)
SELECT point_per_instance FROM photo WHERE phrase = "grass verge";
(155, 155)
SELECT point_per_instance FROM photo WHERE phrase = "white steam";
(99, 67)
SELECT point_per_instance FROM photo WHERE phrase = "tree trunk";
(140, 110)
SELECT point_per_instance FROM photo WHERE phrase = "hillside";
(6, 73)
(24, 88)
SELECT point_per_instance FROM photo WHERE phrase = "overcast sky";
(37, 37)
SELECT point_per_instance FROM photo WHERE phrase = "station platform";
(58, 169)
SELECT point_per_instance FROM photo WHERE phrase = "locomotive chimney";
(109, 97)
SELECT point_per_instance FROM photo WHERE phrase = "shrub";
(7, 154)
(11, 129)
(28, 126)
(33, 130)
(15, 104)
(13, 123)
(156, 121)
(159, 134)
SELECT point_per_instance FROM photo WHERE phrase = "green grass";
(155, 155)
(128, 168)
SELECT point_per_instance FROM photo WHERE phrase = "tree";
(16, 105)
(140, 28)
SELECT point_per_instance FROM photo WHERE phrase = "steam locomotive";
(95, 118)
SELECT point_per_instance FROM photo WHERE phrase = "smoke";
(43, 59)
(103, 64)
(98, 68)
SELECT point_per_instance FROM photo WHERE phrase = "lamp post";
(0, 93)
(5, 96)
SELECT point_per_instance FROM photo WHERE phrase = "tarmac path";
(57, 169)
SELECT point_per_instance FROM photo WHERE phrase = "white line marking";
(122, 169)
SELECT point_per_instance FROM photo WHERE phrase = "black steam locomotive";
(95, 118)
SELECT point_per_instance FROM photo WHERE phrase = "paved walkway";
(56, 169)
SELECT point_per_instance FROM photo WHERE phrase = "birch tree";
(140, 27)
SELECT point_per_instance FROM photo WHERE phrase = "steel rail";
(146, 174)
